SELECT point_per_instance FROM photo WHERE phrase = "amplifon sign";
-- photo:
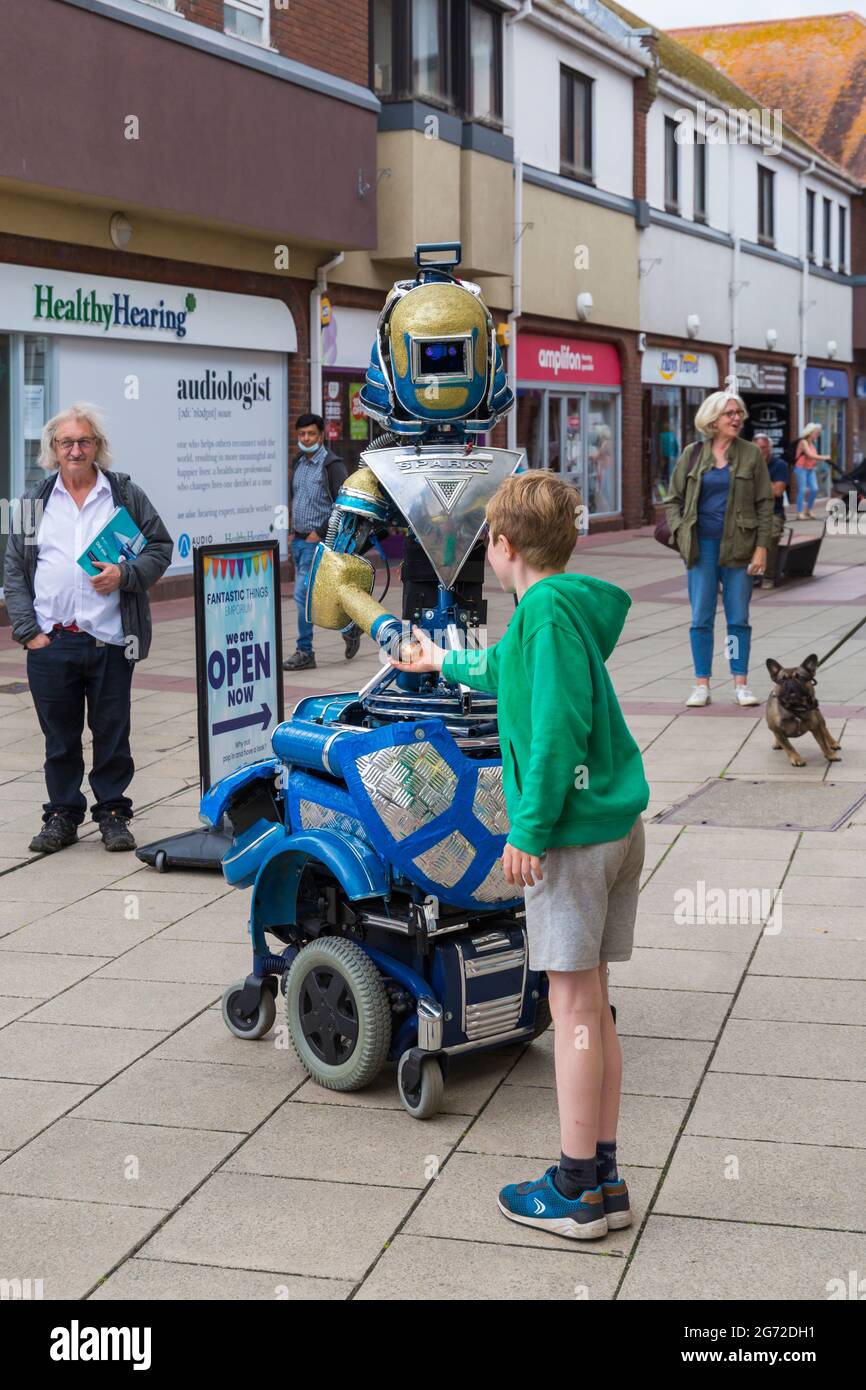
(119, 311)
(567, 361)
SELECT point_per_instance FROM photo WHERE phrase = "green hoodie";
(571, 772)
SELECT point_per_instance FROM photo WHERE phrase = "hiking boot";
(58, 831)
(301, 661)
(115, 832)
(352, 639)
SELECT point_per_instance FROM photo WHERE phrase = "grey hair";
(82, 410)
(709, 410)
(762, 434)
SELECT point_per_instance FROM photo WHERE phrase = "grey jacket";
(138, 574)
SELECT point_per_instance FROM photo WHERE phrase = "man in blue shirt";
(778, 470)
(315, 477)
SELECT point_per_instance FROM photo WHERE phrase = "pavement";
(147, 1153)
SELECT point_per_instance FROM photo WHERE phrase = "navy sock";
(605, 1162)
(574, 1175)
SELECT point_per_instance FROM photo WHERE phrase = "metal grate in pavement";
(747, 804)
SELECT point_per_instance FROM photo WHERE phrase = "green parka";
(749, 512)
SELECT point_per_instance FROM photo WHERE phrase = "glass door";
(602, 462)
(5, 432)
(572, 468)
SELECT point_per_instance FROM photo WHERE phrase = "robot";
(372, 840)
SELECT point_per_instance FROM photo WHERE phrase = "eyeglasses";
(86, 442)
(732, 415)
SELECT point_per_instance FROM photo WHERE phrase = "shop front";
(826, 390)
(193, 385)
(675, 381)
(347, 341)
(764, 388)
(569, 414)
(858, 421)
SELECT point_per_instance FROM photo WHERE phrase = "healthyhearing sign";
(238, 655)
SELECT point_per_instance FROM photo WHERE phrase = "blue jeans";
(65, 678)
(807, 487)
(302, 558)
(703, 581)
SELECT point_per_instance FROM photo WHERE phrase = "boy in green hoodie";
(575, 788)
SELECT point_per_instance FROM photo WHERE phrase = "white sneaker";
(699, 696)
(744, 696)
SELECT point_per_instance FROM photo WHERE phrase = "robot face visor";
(447, 360)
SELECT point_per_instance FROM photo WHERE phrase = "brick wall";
(332, 35)
(644, 94)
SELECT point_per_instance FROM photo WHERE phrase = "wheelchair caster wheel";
(160, 861)
(424, 1100)
(254, 1025)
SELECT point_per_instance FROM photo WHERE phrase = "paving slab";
(783, 1109)
(78, 938)
(158, 1280)
(668, 1013)
(793, 1000)
(812, 959)
(118, 1003)
(134, 1165)
(651, 1066)
(62, 1052)
(471, 1082)
(27, 973)
(821, 1050)
(68, 1245)
(339, 1144)
(738, 1180)
(417, 1268)
(14, 1007)
(283, 1225)
(707, 971)
(681, 1258)
(188, 1095)
(26, 1107)
(207, 1039)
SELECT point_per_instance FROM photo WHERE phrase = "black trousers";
(72, 675)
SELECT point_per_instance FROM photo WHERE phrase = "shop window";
(5, 431)
(666, 437)
(766, 207)
(672, 166)
(446, 52)
(830, 415)
(575, 125)
(247, 19)
(348, 431)
(575, 435)
(35, 405)
(530, 426)
(601, 460)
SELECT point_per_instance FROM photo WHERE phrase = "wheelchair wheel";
(249, 1026)
(424, 1101)
(338, 1014)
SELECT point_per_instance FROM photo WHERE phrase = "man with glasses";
(83, 634)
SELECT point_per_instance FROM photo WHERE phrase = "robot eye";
(442, 357)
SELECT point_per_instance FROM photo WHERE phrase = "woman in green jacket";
(719, 511)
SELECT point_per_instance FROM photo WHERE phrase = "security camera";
(584, 305)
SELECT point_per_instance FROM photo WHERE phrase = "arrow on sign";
(261, 717)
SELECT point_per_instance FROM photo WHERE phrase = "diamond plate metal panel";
(409, 785)
(489, 801)
(494, 888)
(447, 861)
(316, 817)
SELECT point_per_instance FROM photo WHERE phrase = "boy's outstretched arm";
(561, 714)
(478, 668)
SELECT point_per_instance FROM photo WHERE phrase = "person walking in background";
(83, 634)
(315, 477)
(778, 471)
(720, 513)
(806, 458)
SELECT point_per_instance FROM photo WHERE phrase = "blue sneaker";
(540, 1203)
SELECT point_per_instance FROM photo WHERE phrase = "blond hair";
(539, 514)
(709, 410)
(80, 411)
(808, 431)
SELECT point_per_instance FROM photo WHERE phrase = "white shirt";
(63, 591)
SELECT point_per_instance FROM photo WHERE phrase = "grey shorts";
(583, 910)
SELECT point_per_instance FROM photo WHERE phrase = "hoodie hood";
(590, 603)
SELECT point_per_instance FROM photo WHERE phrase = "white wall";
(537, 58)
(692, 279)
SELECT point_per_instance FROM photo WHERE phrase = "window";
(248, 19)
(810, 224)
(161, 4)
(700, 210)
(843, 249)
(446, 52)
(575, 124)
(828, 232)
(766, 206)
(672, 166)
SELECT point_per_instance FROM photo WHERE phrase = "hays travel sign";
(63, 304)
(118, 311)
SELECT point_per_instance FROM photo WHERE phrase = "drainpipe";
(803, 356)
(735, 286)
(517, 267)
(316, 330)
